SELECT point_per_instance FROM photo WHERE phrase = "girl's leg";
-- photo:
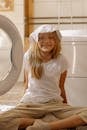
(16, 117)
(68, 122)
(69, 116)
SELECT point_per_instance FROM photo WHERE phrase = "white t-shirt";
(46, 88)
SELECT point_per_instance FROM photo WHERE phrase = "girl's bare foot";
(39, 125)
(24, 122)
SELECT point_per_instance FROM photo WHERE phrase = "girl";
(45, 70)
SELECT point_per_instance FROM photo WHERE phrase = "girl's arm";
(26, 69)
(26, 79)
(61, 85)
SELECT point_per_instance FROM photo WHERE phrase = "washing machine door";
(11, 54)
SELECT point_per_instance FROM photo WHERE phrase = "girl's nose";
(47, 40)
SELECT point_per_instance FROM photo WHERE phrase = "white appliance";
(74, 47)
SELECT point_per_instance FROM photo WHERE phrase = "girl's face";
(47, 41)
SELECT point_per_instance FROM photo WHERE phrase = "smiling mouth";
(46, 46)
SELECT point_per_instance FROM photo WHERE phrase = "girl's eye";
(40, 38)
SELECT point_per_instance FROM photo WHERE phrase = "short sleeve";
(26, 61)
(64, 63)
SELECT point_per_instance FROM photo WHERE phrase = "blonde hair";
(35, 58)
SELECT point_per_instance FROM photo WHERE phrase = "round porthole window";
(11, 54)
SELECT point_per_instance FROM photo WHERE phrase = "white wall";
(17, 17)
(60, 8)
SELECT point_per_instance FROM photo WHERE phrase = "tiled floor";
(13, 96)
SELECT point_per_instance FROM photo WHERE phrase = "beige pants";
(10, 120)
